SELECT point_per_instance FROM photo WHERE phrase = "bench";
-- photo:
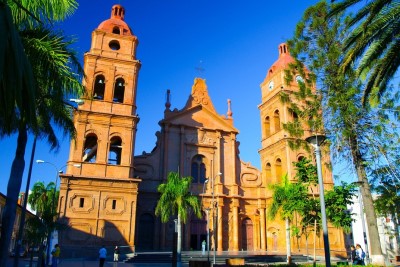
(235, 262)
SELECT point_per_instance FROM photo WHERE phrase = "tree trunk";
(179, 241)
(13, 189)
(396, 233)
(373, 234)
(288, 249)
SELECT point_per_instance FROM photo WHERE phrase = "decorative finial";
(168, 100)
(229, 113)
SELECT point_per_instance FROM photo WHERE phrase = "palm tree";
(373, 43)
(285, 203)
(42, 201)
(38, 70)
(176, 199)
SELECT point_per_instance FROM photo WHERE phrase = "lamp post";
(208, 222)
(53, 204)
(214, 205)
(316, 141)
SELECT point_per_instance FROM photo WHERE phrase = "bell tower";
(98, 200)
(276, 155)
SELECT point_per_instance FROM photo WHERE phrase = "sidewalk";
(83, 263)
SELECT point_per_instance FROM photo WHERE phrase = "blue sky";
(235, 42)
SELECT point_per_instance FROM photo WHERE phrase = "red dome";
(283, 61)
(116, 23)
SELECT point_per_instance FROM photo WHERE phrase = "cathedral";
(110, 200)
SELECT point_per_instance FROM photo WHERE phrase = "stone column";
(235, 211)
(181, 151)
(262, 229)
(219, 222)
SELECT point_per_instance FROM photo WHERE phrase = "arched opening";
(267, 126)
(277, 121)
(268, 173)
(198, 232)
(90, 148)
(114, 154)
(116, 30)
(247, 234)
(145, 234)
(199, 170)
(278, 170)
(119, 90)
(99, 86)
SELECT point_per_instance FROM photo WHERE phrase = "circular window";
(114, 45)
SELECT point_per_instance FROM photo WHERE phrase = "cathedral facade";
(111, 198)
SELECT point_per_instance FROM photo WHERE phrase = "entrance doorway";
(198, 232)
(145, 235)
(247, 235)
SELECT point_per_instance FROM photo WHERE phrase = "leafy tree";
(373, 43)
(287, 199)
(351, 127)
(38, 70)
(43, 201)
(176, 199)
(337, 201)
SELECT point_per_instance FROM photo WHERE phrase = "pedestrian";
(203, 247)
(102, 256)
(353, 254)
(116, 253)
(43, 260)
(56, 255)
(360, 255)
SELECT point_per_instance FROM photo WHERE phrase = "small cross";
(200, 69)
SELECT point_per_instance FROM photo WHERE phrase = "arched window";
(199, 170)
(277, 121)
(267, 172)
(267, 127)
(99, 85)
(90, 148)
(278, 170)
(119, 90)
(114, 154)
(116, 30)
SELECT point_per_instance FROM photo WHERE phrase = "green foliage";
(44, 202)
(371, 45)
(337, 201)
(287, 199)
(176, 198)
(306, 172)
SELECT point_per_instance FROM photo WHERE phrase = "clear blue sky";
(236, 41)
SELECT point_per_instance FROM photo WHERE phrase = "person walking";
(56, 255)
(116, 253)
(102, 256)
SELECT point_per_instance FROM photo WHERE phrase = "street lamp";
(208, 223)
(214, 205)
(316, 141)
(53, 204)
